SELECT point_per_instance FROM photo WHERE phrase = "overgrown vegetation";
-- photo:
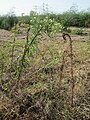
(43, 77)
(70, 18)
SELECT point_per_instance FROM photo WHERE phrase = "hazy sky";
(24, 6)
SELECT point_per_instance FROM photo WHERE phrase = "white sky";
(24, 6)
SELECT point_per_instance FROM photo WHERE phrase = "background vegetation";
(70, 18)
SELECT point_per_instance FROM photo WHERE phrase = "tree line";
(67, 19)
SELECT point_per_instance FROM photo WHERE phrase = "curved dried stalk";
(65, 35)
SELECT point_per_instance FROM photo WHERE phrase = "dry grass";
(42, 93)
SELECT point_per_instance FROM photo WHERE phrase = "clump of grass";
(88, 40)
(78, 31)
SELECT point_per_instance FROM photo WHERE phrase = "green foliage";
(78, 31)
(8, 21)
(73, 18)
(24, 19)
(50, 90)
(66, 19)
(48, 25)
(70, 18)
(88, 40)
(37, 27)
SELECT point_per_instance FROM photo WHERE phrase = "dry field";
(45, 86)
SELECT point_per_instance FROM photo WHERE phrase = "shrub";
(7, 22)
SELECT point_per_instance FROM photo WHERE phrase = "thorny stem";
(27, 45)
(24, 54)
(13, 51)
